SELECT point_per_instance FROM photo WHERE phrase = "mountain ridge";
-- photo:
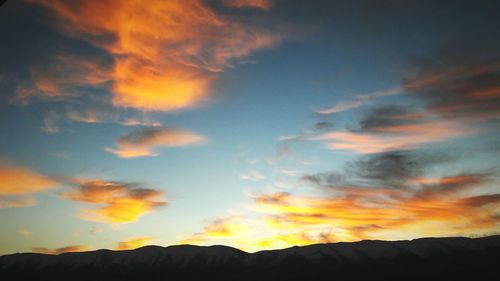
(446, 257)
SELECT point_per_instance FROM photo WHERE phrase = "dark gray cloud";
(387, 116)
(461, 81)
(390, 169)
(323, 126)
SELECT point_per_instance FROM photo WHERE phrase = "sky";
(257, 124)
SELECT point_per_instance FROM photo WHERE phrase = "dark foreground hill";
(426, 258)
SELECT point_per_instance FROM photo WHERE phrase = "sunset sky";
(257, 124)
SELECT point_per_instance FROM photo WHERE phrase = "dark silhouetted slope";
(444, 258)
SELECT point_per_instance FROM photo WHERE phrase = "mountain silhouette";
(454, 258)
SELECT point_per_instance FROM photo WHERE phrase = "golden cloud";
(134, 243)
(17, 184)
(116, 203)
(166, 52)
(143, 142)
(432, 207)
(16, 180)
(69, 249)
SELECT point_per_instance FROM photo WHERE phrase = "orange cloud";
(448, 207)
(258, 4)
(69, 249)
(61, 78)
(18, 183)
(359, 213)
(394, 137)
(144, 141)
(16, 180)
(166, 52)
(224, 227)
(117, 203)
(134, 243)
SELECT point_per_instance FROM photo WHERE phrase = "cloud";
(223, 227)
(24, 232)
(104, 113)
(66, 76)
(134, 243)
(323, 126)
(50, 122)
(7, 201)
(459, 82)
(95, 230)
(69, 249)
(115, 202)
(17, 184)
(360, 100)
(15, 180)
(394, 137)
(257, 4)
(460, 92)
(143, 142)
(138, 122)
(252, 176)
(389, 169)
(361, 213)
(388, 195)
(166, 53)
(284, 147)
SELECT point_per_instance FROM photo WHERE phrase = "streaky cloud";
(57, 251)
(360, 100)
(17, 184)
(144, 141)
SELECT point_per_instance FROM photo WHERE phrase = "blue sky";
(205, 123)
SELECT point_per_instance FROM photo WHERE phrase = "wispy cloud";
(360, 100)
(16, 180)
(252, 176)
(460, 82)
(103, 113)
(257, 4)
(63, 79)
(134, 243)
(143, 142)
(57, 251)
(354, 213)
(18, 183)
(393, 138)
(9, 201)
(170, 57)
(24, 232)
(50, 122)
(388, 195)
(115, 202)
